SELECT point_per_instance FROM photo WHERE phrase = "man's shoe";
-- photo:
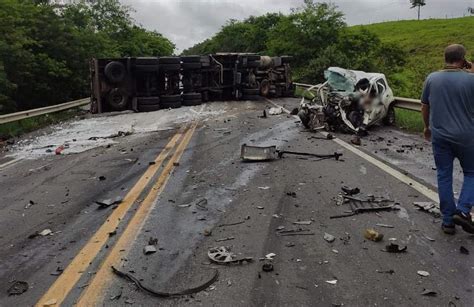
(464, 220)
(448, 229)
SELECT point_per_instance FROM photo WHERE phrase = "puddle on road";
(86, 134)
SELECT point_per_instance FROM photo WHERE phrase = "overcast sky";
(187, 22)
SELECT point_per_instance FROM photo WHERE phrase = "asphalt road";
(198, 195)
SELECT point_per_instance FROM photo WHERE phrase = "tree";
(418, 4)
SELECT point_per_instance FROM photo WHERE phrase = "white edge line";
(429, 193)
(6, 164)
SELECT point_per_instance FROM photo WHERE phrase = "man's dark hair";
(454, 53)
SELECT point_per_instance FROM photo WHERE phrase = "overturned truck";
(349, 101)
(147, 84)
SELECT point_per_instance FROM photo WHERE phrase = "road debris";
(329, 238)
(328, 137)
(59, 150)
(386, 271)
(270, 256)
(109, 202)
(51, 302)
(350, 191)
(394, 248)
(267, 267)
(332, 282)
(303, 223)
(294, 232)
(264, 188)
(29, 204)
(231, 224)
(225, 239)
(275, 111)
(222, 255)
(151, 247)
(428, 292)
(356, 141)
(59, 271)
(463, 250)
(46, 232)
(429, 207)
(359, 205)
(423, 273)
(150, 291)
(264, 114)
(373, 235)
(255, 153)
(18, 287)
(384, 225)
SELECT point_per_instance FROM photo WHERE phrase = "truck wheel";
(117, 99)
(115, 72)
(390, 118)
(170, 101)
(191, 96)
(147, 101)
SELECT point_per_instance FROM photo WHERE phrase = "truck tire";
(170, 67)
(390, 118)
(192, 102)
(191, 66)
(115, 72)
(117, 99)
(149, 107)
(146, 101)
(169, 60)
(192, 96)
(191, 59)
(170, 101)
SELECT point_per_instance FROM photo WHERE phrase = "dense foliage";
(315, 34)
(45, 51)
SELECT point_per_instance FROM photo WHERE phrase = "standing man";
(448, 115)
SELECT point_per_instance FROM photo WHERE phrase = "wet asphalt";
(259, 198)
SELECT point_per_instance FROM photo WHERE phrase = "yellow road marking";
(73, 272)
(95, 290)
(429, 193)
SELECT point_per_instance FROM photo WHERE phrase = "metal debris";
(373, 235)
(150, 291)
(275, 111)
(428, 292)
(429, 207)
(329, 238)
(221, 255)
(109, 202)
(270, 256)
(303, 223)
(267, 267)
(46, 232)
(268, 153)
(18, 287)
(332, 282)
(225, 239)
(350, 191)
(149, 249)
(394, 248)
(384, 225)
(386, 271)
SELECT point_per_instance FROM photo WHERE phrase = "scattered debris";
(59, 150)
(332, 282)
(59, 271)
(386, 271)
(328, 136)
(151, 247)
(429, 207)
(221, 255)
(109, 202)
(102, 178)
(356, 140)
(46, 232)
(429, 238)
(264, 188)
(260, 207)
(264, 114)
(225, 239)
(423, 273)
(18, 287)
(303, 223)
(428, 292)
(270, 256)
(116, 296)
(350, 191)
(464, 250)
(137, 282)
(232, 224)
(51, 302)
(335, 251)
(275, 111)
(329, 238)
(256, 153)
(365, 205)
(384, 225)
(373, 235)
(175, 163)
(29, 204)
(295, 232)
(292, 194)
(267, 267)
(207, 232)
(394, 248)
(201, 204)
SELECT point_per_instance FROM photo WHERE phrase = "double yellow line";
(61, 288)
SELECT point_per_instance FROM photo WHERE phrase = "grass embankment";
(23, 126)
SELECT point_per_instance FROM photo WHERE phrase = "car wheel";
(115, 72)
(390, 118)
(117, 99)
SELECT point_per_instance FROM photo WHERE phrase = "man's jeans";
(444, 153)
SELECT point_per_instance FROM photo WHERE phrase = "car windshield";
(338, 82)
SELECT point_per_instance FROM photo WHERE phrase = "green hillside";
(424, 41)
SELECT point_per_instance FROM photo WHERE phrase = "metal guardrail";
(7, 118)
(400, 102)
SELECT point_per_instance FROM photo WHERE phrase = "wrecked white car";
(349, 101)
